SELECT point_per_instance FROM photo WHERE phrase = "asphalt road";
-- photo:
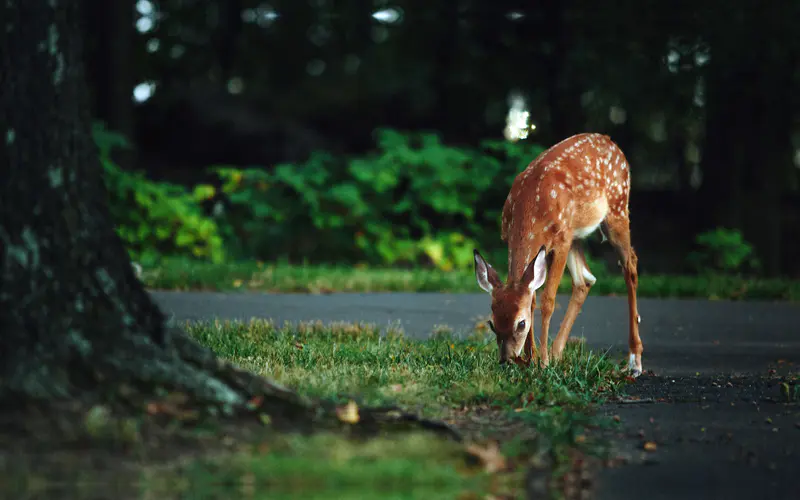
(713, 404)
(679, 336)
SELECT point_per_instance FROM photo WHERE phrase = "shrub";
(723, 250)
(156, 219)
(414, 200)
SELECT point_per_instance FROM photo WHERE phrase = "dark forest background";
(702, 97)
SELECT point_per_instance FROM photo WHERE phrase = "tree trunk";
(567, 116)
(75, 323)
(748, 147)
(72, 313)
(109, 28)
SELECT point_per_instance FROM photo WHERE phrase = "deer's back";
(575, 183)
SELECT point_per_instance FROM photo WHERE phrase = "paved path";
(680, 336)
(717, 417)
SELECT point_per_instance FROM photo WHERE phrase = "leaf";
(348, 413)
(203, 192)
(488, 455)
(255, 402)
(650, 446)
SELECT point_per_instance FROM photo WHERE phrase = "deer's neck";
(521, 250)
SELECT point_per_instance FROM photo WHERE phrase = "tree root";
(187, 383)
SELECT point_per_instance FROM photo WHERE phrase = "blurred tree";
(74, 320)
(226, 37)
(750, 98)
(108, 36)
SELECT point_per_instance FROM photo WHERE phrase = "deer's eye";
(491, 325)
(521, 325)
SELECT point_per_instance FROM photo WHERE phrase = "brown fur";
(563, 195)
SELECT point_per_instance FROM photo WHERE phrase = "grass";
(532, 412)
(328, 466)
(354, 361)
(180, 274)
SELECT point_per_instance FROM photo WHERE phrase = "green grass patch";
(253, 276)
(351, 360)
(532, 412)
(327, 466)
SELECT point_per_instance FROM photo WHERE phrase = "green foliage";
(723, 250)
(156, 219)
(180, 274)
(413, 200)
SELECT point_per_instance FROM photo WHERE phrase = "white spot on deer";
(553, 194)
(537, 197)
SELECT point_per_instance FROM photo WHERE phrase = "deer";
(564, 195)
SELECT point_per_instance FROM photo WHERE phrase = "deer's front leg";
(548, 298)
(582, 281)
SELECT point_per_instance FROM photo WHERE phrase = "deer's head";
(512, 303)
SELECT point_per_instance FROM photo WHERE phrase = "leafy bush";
(414, 200)
(156, 219)
(723, 250)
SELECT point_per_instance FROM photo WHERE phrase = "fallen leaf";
(650, 446)
(348, 413)
(580, 438)
(396, 387)
(171, 405)
(255, 402)
(237, 283)
(489, 456)
(298, 345)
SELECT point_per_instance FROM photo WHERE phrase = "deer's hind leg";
(582, 281)
(620, 235)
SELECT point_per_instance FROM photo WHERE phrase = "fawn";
(563, 196)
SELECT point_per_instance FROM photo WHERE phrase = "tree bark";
(72, 313)
(75, 323)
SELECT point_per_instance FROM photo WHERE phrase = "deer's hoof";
(634, 368)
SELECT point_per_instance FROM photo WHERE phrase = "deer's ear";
(536, 272)
(485, 274)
